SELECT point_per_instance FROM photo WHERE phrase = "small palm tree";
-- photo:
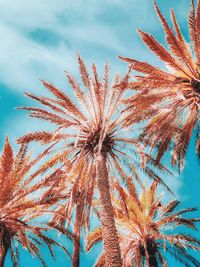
(146, 229)
(93, 139)
(24, 198)
(170, 99)
(79, 201)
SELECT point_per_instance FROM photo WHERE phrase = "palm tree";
(24, 198)
(80, 202)
(169, 98)
(147, 227)
(93, 139)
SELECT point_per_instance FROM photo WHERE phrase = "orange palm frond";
(27, 193)
(143, 228)
(168, 100)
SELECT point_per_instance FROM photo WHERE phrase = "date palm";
(169, 99)
(24, 198)
(79, 201)
(147, 228)
(92, 137)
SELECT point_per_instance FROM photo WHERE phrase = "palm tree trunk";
(109, 232)
(3, 252)
(152, 258)
(77, 232)
(153, 261)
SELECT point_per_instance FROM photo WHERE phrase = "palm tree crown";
(170, 99)
(96, 127)
(145, 228)
(21, 206)
(92, 128)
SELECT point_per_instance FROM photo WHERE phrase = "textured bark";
(77, 232)
(3, 251)
(4, 244)
(109, 234)
(152, 259)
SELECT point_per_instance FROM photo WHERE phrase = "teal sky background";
(39, 40)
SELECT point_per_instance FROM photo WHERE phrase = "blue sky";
(39, 39)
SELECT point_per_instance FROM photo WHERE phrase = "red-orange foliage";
(89, 126)
(26, 194)
(169, 100)
(144, 222)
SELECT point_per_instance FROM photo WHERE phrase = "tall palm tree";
(79, 201)
(169, 99)
(25, 196)
(91, 135)
(147, 228)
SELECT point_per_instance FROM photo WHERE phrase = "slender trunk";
(3, 251)
(77, 232)
(4, 244)
(153, 261)
(109, 232)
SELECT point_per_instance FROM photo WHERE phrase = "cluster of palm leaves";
(95, 160)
